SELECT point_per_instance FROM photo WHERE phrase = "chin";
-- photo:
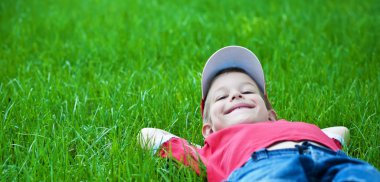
(245, 120)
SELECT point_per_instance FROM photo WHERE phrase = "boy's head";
(233, 90)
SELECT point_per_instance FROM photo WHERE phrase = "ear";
(207, 129)
(272, 116)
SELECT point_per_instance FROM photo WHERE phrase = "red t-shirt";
(228, 149)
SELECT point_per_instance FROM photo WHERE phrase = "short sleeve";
(181, 150)
(338, 140)
(164, 139)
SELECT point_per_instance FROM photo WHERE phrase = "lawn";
(79, 79)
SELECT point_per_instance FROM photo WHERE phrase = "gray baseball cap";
(231, 57)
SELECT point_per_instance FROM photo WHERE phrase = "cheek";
(258, 99)
(215, 111)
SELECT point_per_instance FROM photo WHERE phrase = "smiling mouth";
(239, 106)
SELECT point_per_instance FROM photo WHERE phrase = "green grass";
(79, 79)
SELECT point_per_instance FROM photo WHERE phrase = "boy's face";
(234, 98)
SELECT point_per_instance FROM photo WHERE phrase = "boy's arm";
(340, 133)
(167, 145)
(152, 138)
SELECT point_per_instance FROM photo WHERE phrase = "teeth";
(242, 107)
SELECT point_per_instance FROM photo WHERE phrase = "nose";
(236, 95)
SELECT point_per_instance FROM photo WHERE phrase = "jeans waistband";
(305, 148)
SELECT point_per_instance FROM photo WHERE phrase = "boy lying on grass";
(244, 141)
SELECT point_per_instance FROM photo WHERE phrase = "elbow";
(346, 135)
(143, 132)
(146, 137)
(143, 136)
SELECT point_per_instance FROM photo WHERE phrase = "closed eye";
(221, 98)
(248, 92)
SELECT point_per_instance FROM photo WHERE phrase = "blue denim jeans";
(306, 162)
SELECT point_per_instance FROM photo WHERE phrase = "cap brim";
(232, 57)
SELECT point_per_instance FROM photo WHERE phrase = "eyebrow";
(243, 84)
(220, 89)
(249, 83)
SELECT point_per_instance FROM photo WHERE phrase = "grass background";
(79, 79)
